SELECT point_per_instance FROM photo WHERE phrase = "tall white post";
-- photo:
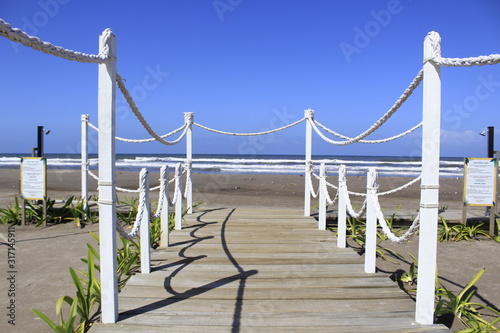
(429, 194)
(309, 114)
(188, 119)
(322, 197)
(371, 223)
(164, 217)
(178, 202)
(107, 178)
(342, 210)
(85, 162)
(145, 235)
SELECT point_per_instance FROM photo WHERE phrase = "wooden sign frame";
(480, 186)
(33, 184)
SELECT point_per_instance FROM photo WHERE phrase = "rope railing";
(342, 190)
(142, 202)
(309, 173)
(435, 39)
(126, 190)
(395, 137)
(19, 36)
(163, 192)
(381, 219)
(407, 93)
(95, 128)
(249, 134)
(140, 209)
(140, 117)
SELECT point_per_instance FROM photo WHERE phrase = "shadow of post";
(242, 275)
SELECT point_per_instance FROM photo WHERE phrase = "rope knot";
(188, 117)
(309, 114)
(309, 167)
(436, 46)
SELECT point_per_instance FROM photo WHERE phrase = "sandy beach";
(44, 254)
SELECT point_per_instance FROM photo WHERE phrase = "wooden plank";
(251, 271)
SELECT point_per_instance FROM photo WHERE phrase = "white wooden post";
(188, 119)
(178, 202)
(309, 114)
(164, 218)
(429, 194)
(107, 178)
(341, 210)
(145, 236)
(322, 197)
(371, 223)
(85, 163)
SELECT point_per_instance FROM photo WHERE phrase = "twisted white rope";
(133, 107)
(140, 140)
(411, 88)
(309, 172)
(141, 208)
(350, 209)
(327, 195)
(163, 192)
(187, 169)
(435, 39)
(19, 36)
(402, 187)
(369, 141)
(121, 189)
(383, 223)
(177, 189)
(249, 134)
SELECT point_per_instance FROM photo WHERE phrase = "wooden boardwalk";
(247, 270)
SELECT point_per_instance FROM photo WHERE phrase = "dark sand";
(44, 254)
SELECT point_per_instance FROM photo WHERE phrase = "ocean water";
(263, 164)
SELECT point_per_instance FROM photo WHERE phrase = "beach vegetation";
(460, 231)
(70, 209)
(85, 306)
(132, 207)
(356, 231)
(11, 214)
(460, 306)
(497, 237)
(410, 277)
(449, 307)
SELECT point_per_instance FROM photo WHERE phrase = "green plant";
(459, 232)
(128, 258)
(411, 276)
(11, 214)
(463, 309)
(128, 216)
(65, 326)
(88, 295)
(497, 238)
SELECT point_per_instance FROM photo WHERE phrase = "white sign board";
(480, 181)
(33, 178)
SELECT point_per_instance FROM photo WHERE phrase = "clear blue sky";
(247, 66)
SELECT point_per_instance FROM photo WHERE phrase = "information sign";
(480, 176)
(33, 178)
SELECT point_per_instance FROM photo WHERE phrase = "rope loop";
(249, 134)
(140, 117)
(140, 209)
(163, 192)
(407, 93)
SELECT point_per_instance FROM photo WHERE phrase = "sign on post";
(480, 181)
(34, 182)
(480, 184)
(34, 178)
